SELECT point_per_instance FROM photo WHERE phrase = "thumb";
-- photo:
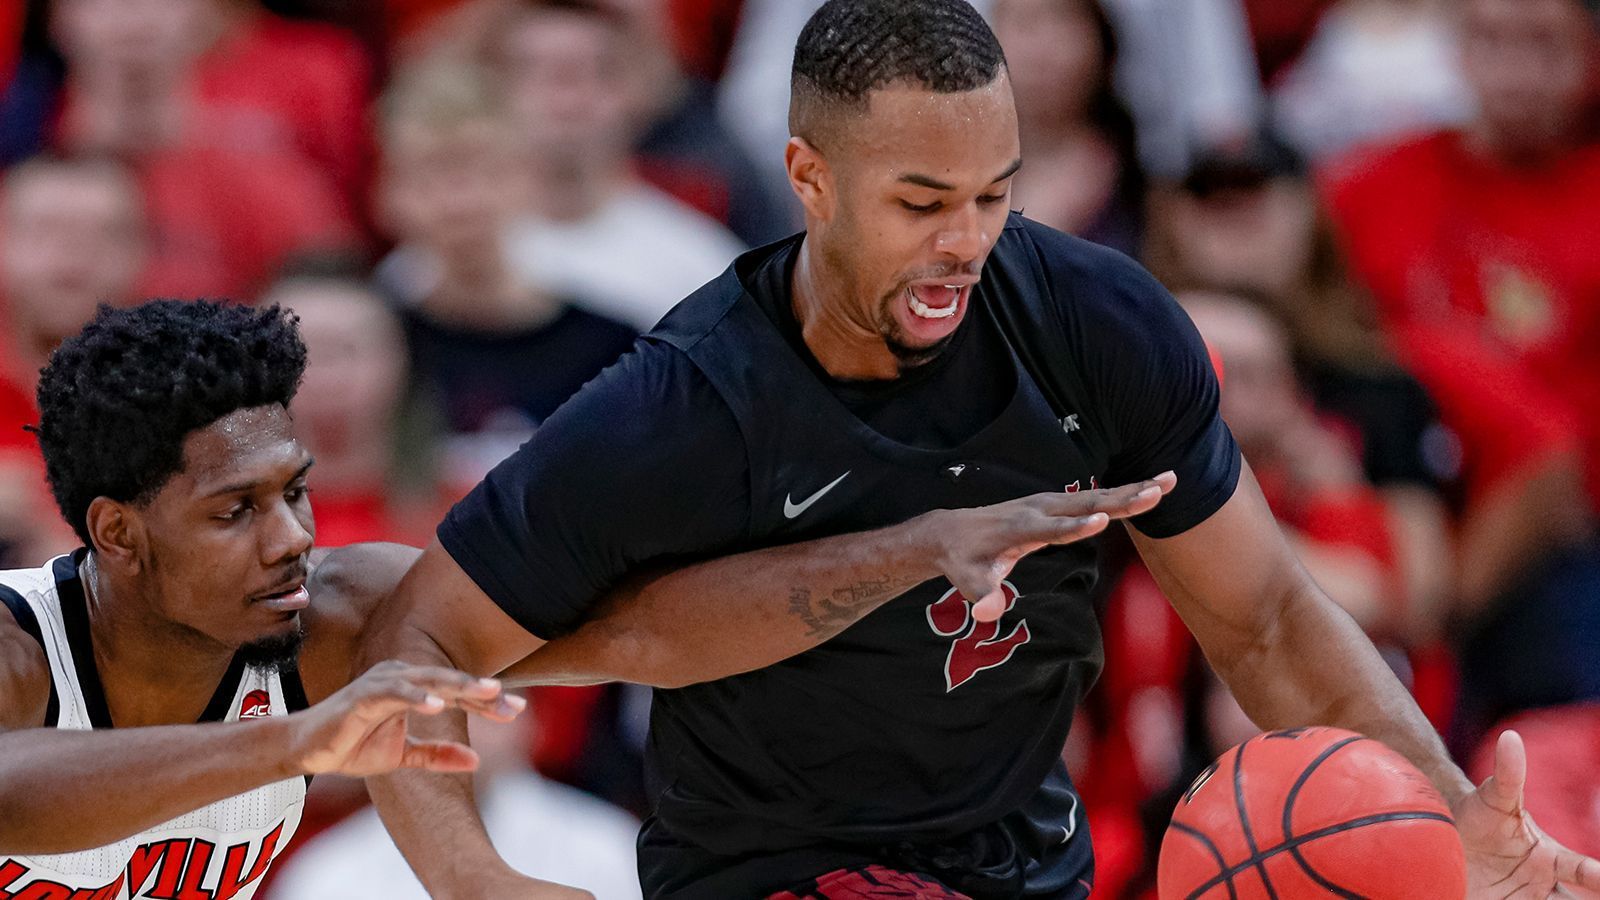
(1502, 791)
(438, 756)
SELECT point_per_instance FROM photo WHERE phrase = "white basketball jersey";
(218, 852)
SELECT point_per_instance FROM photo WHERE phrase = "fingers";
(1574, 870)
(1118, 502)
(1502, 791)
(431, 689)
(438, 756)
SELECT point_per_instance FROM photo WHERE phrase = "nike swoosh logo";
(792, 509)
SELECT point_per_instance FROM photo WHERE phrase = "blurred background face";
(73, 239)
(1258, 237)
(1055, 55)
(452, 187)
(1528, 62)
(355, 371)
(132, 37)
(1259, 392)
(566, 78)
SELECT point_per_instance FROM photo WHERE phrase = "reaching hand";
(1508, 857)
(980, 546)
(361, 730)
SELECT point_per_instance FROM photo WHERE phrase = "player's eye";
(991, 199)
(921, 209)
(235, 513)
(297, 493)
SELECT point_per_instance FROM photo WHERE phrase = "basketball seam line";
(1288, 819)
(1244, 818)
(1216, 853)
(1310, 836)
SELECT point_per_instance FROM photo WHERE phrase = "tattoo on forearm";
(827, 615)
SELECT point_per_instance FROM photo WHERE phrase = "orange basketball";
(1312, 812)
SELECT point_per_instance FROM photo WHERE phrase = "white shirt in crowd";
(632, 260)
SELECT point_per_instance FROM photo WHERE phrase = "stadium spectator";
(1246, 221)
(1478, 245)
(349, 405)
(682, 147)
(71, 237)
(1082, 174)
(271, 84)
(543, 828)
(224, 213)
(494, 353)
(30, 76)
(1374, 69)
(594, 231)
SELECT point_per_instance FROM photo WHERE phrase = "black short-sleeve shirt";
(918, 729)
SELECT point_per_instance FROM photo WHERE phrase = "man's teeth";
(927, 312)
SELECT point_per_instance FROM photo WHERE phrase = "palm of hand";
(1508, 856)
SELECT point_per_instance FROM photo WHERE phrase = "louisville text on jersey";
(172, 870)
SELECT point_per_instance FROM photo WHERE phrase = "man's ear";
(118, 533)
(811, 178)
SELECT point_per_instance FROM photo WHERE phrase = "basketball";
(1311, 812)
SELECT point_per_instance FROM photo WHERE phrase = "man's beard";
(276, 653)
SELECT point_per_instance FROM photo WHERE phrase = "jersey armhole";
(23, 613)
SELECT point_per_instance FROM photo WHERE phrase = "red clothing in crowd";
(278, 85)
(223, 221)
(12, 17)
(1489, 280)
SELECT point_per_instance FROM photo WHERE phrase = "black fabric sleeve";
(646, 462)
(1151, 377)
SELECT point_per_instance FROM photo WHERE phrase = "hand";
(361, 730)
(977, 548)
(1507, 855)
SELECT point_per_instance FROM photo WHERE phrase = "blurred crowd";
(1382, 215)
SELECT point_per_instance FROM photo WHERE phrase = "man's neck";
(152, 673)
(1516, 153)
(846, 350)
(486, 293)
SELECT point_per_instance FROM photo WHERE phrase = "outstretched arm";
(49, 777)
(706, 621)
(1293, 657)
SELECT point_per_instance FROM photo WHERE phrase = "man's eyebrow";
(244, 487)
(935, 184)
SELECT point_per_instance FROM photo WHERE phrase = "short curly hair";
(117, 400)
(850, 48)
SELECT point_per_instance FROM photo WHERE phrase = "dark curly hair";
(117, 399)
(850, 48)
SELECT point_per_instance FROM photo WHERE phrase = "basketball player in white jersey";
(198, 601)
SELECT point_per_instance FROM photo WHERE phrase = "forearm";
(1313, 666)
(432, 817)
(64, 791)
(736, 614)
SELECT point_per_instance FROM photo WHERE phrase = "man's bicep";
(438, 602)
(1228, 576)
(24, 677)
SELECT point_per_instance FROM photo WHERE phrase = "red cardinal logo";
(977, 645)
(256, 705)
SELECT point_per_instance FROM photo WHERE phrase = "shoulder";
(1100, 296)
(24, 666)
(347, 586)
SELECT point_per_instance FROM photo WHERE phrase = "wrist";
(278, 735)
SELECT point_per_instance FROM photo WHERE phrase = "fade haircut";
(117, 400)
(850, 48)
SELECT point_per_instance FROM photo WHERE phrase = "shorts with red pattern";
(871, 882)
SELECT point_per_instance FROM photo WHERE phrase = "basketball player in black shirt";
(918, 352)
